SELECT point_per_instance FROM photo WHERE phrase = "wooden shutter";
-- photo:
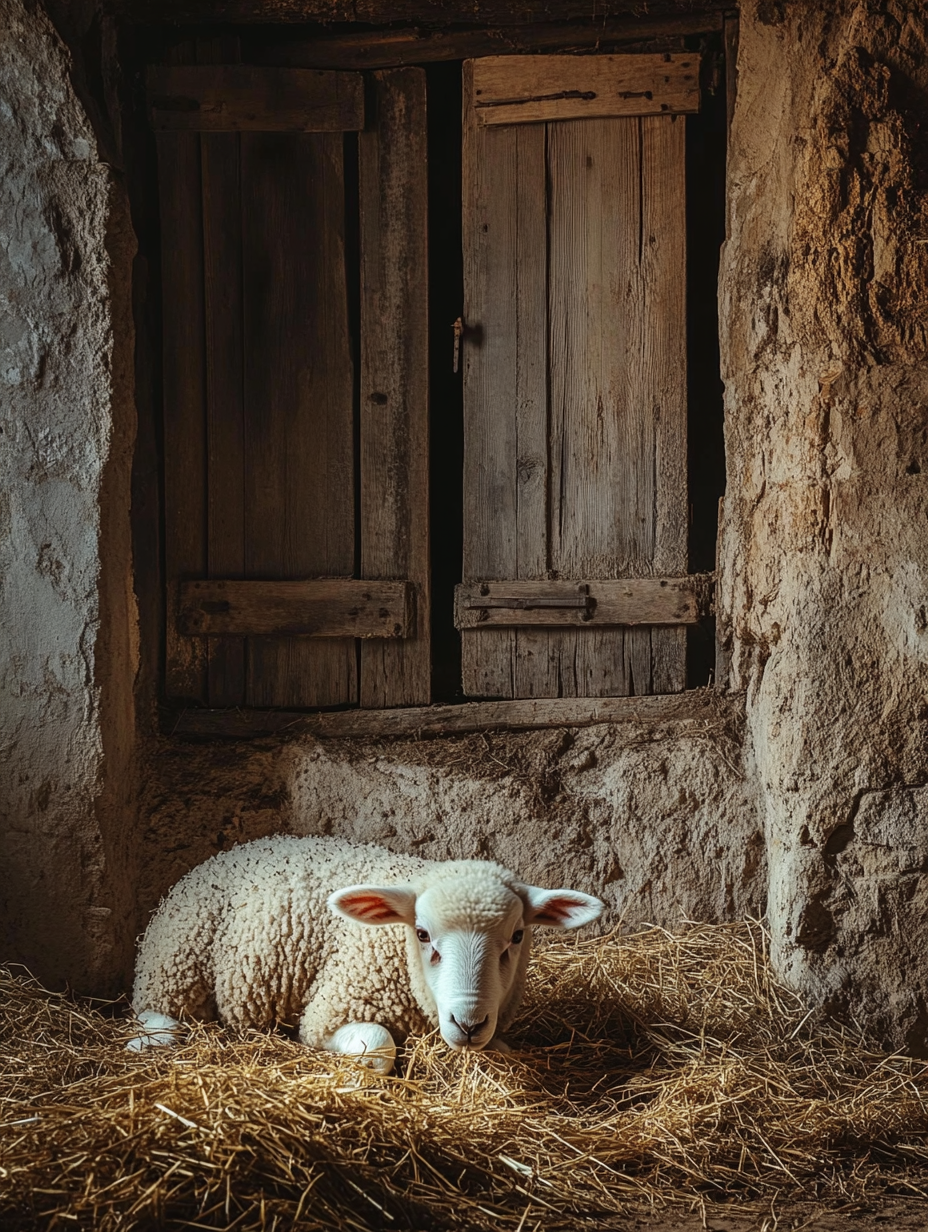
(267, 588)
(575, 376)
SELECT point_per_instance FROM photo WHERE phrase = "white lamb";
(245, 938)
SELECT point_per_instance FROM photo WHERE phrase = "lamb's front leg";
(368, 1043)
(156, 1030)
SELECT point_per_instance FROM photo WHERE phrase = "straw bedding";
(649, 1067)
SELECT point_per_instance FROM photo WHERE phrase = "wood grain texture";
(393, 181)
(183, 365)
(533, 89)
(505, 385)
(299, 492)
(633, 601)
(246, 98)
(663, 266)
(222, 255)
(611, 468)
(435, 12)
(322, 607)
(692, 711)
(421, 45)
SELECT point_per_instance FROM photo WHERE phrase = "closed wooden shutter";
(293, 519)
(575, 536)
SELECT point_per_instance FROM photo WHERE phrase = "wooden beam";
(324, 607)
(593, 605)
(243, 98)
(421, 45)
(698, 708)
(530, 89)
(376, 12)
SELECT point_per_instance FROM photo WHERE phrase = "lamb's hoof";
(367, 1044)
(158, 1030)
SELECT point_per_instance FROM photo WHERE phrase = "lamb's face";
(473, 936)
(473, 944)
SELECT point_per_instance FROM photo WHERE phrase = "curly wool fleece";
(247, 938)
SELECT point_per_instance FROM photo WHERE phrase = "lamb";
(245, 939)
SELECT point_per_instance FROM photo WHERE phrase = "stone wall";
(825, 545)
(67, 617)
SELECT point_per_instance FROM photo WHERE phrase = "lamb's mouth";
(465, 1036)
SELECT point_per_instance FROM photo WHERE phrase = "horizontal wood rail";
(531, 89)
(244, 98)
(697, 707)
(324, 607)
(600, 604)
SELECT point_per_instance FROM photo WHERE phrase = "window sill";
(696, 706)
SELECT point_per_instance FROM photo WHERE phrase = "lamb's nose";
(469, 1028)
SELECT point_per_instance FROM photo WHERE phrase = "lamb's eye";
(518, 935)
(423, 936)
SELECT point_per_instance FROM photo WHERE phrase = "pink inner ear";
(556, 911)
(369, 907)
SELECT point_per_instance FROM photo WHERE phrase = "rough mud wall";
(67, 619)
(659, 819)
(825, 547)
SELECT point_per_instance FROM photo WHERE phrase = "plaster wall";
(67, 619)
(824, 558)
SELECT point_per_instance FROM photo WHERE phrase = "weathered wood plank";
(185, 545)
(600, 482)
(299, 493)
(662, 379)
(697, 711)
(530, 89)
(246, 98)
(618, 379)
(504, 370)
(436, 12)
(559, 604)
(393, 184)
(422, 45)
(222, 253)
(320, 607)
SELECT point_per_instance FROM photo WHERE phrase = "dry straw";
(650, 1067)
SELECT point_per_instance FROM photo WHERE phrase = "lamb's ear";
(559, 908)
(375, 904)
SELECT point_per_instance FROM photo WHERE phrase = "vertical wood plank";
(393, 183)
(505, 398)
(663, 377)
(618, 381)
(299, 488)
(183, 345)
(222, 246)
(598, 492)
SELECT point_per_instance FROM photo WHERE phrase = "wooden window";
(575, 397)
(295, 267)
(296, 553)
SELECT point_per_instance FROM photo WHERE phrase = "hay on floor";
(649, 1067)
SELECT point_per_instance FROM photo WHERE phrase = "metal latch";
(582, 601)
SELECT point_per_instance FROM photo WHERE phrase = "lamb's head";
(472, 922)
